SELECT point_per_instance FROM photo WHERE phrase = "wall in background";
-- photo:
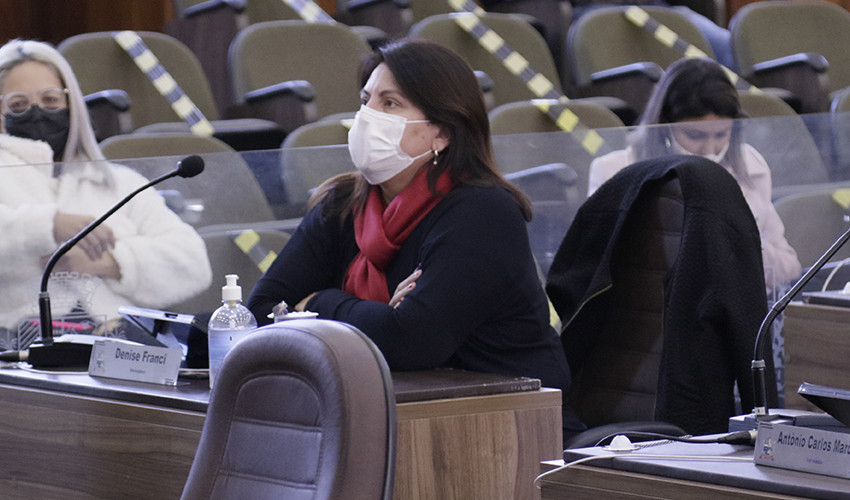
(54, 20)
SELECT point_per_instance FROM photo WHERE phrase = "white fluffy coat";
(162, 260)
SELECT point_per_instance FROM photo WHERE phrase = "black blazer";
(714, 296)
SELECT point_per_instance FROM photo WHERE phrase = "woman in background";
(142, 255)
(697, 96)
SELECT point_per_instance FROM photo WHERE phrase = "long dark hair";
(690, 88)
(444, 87)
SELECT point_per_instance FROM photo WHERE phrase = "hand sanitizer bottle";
(229, 324)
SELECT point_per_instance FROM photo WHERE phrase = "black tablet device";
(834, 401)
(187, 331)
(158, 322)
(828, 298)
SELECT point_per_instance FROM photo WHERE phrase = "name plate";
(114, 358)
(804, 449)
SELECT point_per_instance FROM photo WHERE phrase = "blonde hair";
(81, 144)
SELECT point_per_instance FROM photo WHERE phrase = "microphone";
(48, 354)
(760, 410)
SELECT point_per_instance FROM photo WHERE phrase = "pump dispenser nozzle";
(231, 291)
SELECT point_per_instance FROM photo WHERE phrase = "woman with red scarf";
(424, 248)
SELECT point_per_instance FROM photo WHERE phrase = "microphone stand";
(51, 355)
(760, 410)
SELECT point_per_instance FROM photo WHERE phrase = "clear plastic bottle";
(229, 324)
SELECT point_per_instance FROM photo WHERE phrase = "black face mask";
(35, 123)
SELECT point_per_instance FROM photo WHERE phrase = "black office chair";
(301, 409)
(660, 285)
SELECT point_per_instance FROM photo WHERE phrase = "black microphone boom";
(758, 365)
(187, 167)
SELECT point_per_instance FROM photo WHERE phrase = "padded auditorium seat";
(523, 117)
(101, 64)
(814, 219)
(313, 153)
(284, 72)
(517, 33)
(554, 17)
(201, 198)
(245, 249)
(796, 45)
(610, 56)
(785, 139)
(302, 409)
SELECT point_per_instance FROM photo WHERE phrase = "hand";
(405, 287)
(76, 260)
(301, 306)
(100, 240)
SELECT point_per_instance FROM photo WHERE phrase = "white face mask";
(716, 158)
(374, 142)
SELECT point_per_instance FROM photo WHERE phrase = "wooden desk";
(695, 479)
(817, 347)
(74, 436)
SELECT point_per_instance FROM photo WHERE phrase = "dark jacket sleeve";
(311, 260)
(476, 247)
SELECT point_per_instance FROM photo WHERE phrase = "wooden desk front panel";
(59, 445)
(66, 446)
(480, 447)
(817, 349)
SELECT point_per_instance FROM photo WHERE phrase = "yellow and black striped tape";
(310, 11)
(569, 122)
(671, 39)
(467, 6)
(163, 82)
(468, 18)
(249, 242)
(551, 100)
(842, 197)
(518, 65)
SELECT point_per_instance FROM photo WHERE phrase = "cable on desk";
(739, 437)
(638, 455)
(829, 277)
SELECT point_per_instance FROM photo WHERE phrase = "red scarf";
(381, 229)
